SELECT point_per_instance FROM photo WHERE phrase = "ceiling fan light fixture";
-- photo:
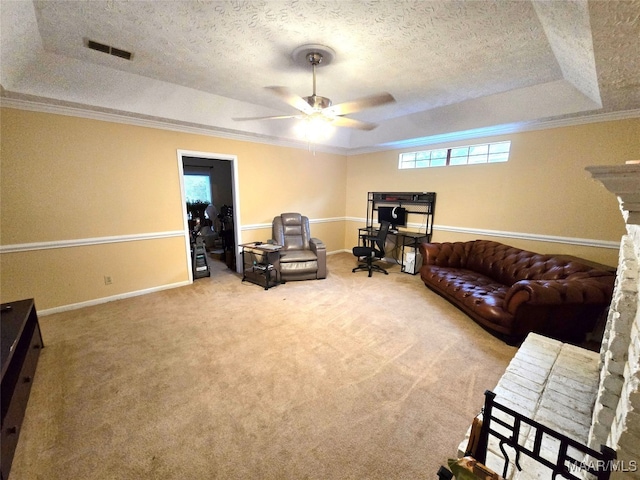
(315, 128)
(320, 116)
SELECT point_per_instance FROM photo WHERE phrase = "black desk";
(403, 239)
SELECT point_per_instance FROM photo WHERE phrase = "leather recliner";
(302, 257)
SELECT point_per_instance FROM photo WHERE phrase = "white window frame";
(482, 153)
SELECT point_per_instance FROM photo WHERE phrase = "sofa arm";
(319, 248)
(429, 252)
(556, 292)
(445, 254)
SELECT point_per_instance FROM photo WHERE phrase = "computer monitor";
(396, 216)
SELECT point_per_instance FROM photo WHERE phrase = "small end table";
(258, 261)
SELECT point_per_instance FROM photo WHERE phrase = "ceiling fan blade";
(360, 104)
(351, 123)
(292, 99)
(277, 117)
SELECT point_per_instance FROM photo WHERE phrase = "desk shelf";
(419, 206)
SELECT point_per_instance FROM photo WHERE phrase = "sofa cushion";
(298, 262)
(289, 256)
(473, 292)
(299, 267)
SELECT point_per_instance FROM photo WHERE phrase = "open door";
(224, 191)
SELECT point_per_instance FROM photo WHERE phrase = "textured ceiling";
(451, 65)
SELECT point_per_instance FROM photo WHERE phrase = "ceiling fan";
(316, 107)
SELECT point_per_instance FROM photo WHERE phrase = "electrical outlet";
(108, 280)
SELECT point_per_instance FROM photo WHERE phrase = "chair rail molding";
(586, 242)
(260, 226)
(81, 242)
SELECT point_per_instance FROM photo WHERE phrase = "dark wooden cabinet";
(21, 345)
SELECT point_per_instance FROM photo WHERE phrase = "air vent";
(101, 47)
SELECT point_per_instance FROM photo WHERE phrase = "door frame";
(235, 186)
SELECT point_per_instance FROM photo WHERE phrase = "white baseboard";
(98, 301)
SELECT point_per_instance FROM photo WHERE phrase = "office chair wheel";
(370, 268)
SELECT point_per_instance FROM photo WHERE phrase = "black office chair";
(371, 253)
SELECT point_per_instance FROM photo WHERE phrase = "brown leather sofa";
(302, 256)
(513, 292)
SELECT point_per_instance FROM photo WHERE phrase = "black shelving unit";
(415, 203)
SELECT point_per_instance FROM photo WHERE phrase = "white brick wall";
(624, 435)
(615, 345)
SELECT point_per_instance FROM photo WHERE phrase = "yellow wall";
(66, 276)
(543, 189)
(69, 179)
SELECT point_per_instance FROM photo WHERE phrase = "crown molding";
(44, 106)
(80, 111)
(496, 130)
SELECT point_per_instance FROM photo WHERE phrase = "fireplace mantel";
(624, 182)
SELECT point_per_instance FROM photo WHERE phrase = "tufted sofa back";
(508, 265)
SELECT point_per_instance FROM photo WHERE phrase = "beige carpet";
(344, 378)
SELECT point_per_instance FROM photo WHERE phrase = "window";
(470, 155)
(197, 188)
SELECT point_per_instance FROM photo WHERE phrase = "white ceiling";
(453, 66)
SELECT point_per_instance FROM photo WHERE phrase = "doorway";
(222, 172)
